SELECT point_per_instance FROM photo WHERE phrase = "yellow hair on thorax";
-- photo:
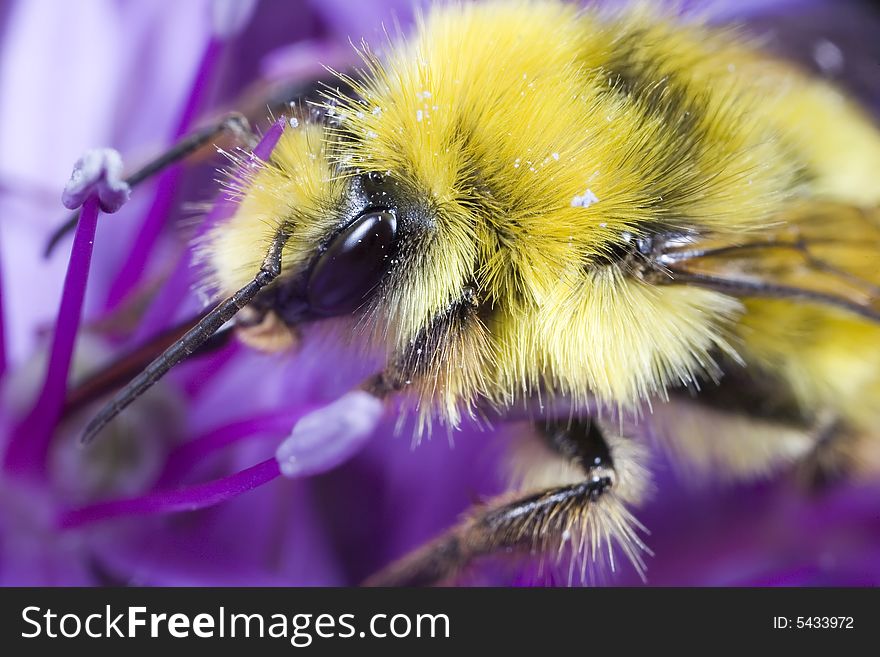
(543, 141)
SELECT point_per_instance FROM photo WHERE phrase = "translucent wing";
(826, 253)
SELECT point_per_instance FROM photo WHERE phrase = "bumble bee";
(615, 225)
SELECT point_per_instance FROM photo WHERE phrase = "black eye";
(353, 264)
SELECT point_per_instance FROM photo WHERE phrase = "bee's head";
(362, 243)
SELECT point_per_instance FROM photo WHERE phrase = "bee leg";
(589, 515)
(840, 453)
(742, 429)
(234, 123)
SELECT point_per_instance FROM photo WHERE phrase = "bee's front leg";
(588, 513)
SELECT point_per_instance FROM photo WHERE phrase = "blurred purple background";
(81, 75)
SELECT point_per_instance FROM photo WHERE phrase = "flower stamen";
(96, 183)
(187, 498)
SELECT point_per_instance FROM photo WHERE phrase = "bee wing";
(826, 253)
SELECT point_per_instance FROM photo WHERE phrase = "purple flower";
(186, 489)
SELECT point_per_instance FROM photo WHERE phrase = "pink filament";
(31, 438)
(188, 498)
(275, 424)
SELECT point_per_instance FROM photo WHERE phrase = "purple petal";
(285, 543)
(2, 326)
(157, 217)
(122, 75)
(179, 283)
(229, 17)
(306, 60)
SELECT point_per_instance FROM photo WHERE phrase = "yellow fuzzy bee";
(602, 222)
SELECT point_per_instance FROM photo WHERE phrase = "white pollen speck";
(371, 134)
(555, 156)
(516, 163)
(584, 200)
(294, 122)
(626, 237)
(360, 115)
(419, 115)
(603, 225)
(377, 111)
(424, 94)
(828, 56)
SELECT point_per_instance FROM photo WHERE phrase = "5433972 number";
(814, 622)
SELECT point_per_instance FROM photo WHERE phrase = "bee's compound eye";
(353, 264)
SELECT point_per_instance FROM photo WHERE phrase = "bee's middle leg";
(589, 514)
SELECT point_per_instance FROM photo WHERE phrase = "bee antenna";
(191, 340)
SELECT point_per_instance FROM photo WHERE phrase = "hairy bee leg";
(588, 515)
(234, 123)
(840, 453)
(822, 465)
(744, 429)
